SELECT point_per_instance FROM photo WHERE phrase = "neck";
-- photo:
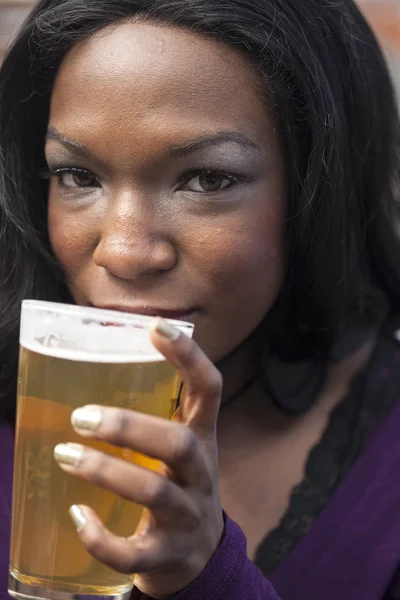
(239, 369)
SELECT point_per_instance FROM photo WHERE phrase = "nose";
(133, 241)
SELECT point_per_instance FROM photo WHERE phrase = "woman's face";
(169, 194)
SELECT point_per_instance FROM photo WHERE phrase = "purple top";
(352, 551)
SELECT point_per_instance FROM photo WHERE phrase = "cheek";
(254, 273)
(243, 268)
(245, 262)
(72, 238)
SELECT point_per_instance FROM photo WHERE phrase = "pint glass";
(71, 356)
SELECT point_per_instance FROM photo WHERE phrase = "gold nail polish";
(69, 454)
(86, 418)
(162, 327)
(78, 517)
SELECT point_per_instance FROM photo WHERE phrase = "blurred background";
(384, 16)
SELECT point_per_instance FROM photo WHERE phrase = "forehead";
(136, 72)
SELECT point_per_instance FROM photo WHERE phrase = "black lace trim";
(371, 396)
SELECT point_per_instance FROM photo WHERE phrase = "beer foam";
(94, 357)
(88, 334)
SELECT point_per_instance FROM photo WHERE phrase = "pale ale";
(46, 552)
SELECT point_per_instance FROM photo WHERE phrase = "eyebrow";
(72, 145)
(213, 140)
(176, 150)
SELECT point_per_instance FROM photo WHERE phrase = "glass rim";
(97, 313)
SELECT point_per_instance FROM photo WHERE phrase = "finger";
(202, 380)
(166, 500)
(173, 443)
(135, 554)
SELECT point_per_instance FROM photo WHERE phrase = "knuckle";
(193, 519)
(94, 542)
(158, 494)
(119, 425)
(95, 466)
(184, 445)
(215, 383)
(190, 354)
(207, 485)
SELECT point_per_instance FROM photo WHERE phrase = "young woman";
(236, 164)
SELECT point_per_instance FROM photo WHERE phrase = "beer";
(46, 552)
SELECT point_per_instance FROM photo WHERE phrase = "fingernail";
(69, 454)
(78, 517)
(86, 418)
(165, 329)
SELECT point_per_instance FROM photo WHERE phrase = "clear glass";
(71, 356)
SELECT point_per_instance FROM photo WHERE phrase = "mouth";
(177, 314)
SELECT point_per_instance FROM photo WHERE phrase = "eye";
(209, 181)
(73, 178)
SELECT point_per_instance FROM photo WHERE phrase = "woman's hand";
(184, 522)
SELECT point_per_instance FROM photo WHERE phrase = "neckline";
(329, 548)
(303, 490)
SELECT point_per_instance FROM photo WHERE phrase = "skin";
(148, 229)
(144, 238)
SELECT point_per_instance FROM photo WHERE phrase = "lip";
(177, 314)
